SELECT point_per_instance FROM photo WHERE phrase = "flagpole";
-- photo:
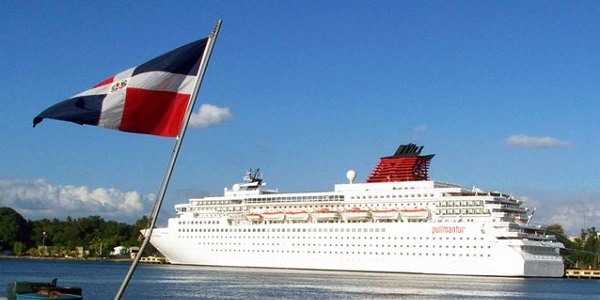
(163, 188)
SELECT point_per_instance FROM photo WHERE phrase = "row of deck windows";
(340, 245)
(215, 202)
(353, 252)
(459, 211)
(336, 238)
(281, 229)
(394, 196)
(296, 199)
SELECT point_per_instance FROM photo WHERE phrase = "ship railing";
(443, 184)
(514, 233)
(544, 237)
(510, 235)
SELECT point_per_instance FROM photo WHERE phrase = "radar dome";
(236, 187)
(351, 175)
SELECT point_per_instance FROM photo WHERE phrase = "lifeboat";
(273, 215)
(356, 213)
(297, 215)
(414, 214)
(254, 217)
(385, 214)
(325, 214)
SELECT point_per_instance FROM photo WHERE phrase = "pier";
(154, 260)
(586, 274)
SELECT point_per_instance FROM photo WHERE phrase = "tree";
(140, 225)
(13, 228)
(591, 245)
(96, 247)
(556, 229)
(18, 248)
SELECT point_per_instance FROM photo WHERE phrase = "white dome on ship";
(236, 187)
(351, 175)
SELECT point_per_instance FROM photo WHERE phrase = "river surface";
(102, 279)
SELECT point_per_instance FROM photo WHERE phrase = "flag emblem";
(151, 98)
(118, 85)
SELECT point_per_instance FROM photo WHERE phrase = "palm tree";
(96, 246)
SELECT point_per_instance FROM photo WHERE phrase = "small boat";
(356, 213)
(325, 214)
(254, 217)
(385, 214)
(414, 214)
(273, 215)
(43, 294)
(297, 215)
(42, 290)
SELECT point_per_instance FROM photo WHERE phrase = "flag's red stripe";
(153, 112)
(106, 81)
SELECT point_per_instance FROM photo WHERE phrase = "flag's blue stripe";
(80, 110)
(183, 60)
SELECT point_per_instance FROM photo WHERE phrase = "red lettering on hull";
(447, 229)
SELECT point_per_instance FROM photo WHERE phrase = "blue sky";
(504, 93)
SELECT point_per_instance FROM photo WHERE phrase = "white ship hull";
(416, 226)
(382, 247)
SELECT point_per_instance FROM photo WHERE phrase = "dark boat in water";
(42, 290)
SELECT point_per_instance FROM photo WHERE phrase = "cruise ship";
(397, 221)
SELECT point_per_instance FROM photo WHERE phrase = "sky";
(506, 94)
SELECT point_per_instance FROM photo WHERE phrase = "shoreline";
(121, 260)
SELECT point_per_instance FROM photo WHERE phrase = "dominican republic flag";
(151, 98)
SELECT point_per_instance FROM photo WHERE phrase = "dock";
(586, 274)
(154, 260)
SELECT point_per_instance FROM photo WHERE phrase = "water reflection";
(101, 280)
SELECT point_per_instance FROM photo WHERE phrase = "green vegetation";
(96, 236)
(588, 246)
(14, 230)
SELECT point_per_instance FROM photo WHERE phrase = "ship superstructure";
(397, 221)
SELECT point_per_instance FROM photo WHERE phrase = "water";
(102, 279)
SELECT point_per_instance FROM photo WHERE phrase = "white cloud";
(421, 127)
(39, 199)
(416, 132)
(208, 115)
(535, 142)
(574, 212)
